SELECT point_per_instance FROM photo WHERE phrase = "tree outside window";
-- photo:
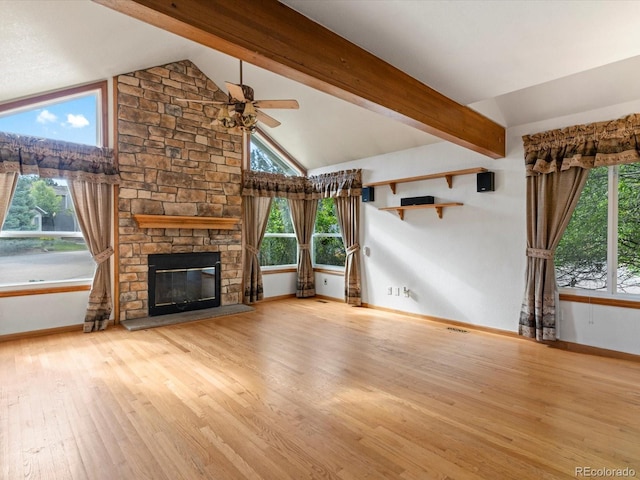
(600, 249)
(328, 247)
(265, 159)
(279, 246)
(628, 232)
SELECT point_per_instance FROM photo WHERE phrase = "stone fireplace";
(180, 180)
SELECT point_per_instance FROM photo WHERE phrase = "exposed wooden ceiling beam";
(275, 37)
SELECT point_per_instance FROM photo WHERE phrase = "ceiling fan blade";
(267, 120)
(292, 104)
(235, 91)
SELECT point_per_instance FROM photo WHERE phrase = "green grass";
(19, 246)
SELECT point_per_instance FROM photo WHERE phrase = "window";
(327, 244)
(40, 239)
(600, 250)
(279, 246)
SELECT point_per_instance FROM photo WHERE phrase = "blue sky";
(71, 120)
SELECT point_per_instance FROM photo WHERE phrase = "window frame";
(100, 89)
(610, 297)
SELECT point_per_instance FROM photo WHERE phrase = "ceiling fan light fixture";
(224, 118)
(249, 116)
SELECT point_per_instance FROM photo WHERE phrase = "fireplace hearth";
(180, 282)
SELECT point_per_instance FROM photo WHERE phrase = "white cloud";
(77, 121)
(45, 116)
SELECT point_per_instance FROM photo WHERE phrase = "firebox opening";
(180, 282)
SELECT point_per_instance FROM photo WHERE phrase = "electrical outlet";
(406, 292)
(397, 291)
(389, 290)
(324, 282)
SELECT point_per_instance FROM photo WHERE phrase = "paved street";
(46, 266)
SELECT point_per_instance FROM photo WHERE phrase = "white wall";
(40, 312)
(600, 326)
(279, 284)
(330, 285)
(467, 266)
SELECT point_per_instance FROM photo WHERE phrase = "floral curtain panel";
(93, 208)
(303, 213)
(255, 215)
(557, 164)
(8, 182)
(56, 159)
(348, 210)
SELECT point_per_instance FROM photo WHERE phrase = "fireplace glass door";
(181, 282)
(185, 285)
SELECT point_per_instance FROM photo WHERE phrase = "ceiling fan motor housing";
(248, 93)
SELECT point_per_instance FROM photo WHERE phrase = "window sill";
(278, 269)
(44, 288)
(39, 233)
(329, 270)
(599, 300)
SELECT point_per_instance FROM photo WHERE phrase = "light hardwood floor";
(304, 389)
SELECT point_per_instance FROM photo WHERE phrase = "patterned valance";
(592, 145)
(337, 184)
(264, 184)
(56, 159)
(345, 183)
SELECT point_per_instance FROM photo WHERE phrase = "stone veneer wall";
(174, 162)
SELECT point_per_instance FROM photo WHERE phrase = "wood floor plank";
(306, 389)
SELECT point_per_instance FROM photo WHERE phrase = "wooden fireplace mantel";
(179, 221)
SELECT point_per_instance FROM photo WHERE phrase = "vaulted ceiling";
(515, 62)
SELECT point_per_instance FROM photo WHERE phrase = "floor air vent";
(322, 301)
(457, 330)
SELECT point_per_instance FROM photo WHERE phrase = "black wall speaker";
(368, 194)
(486, 182)
(417, 200)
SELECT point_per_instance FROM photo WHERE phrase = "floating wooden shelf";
(448, 176)
(437, 206)
(173, 221)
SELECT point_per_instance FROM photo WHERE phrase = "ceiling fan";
(241, 110)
